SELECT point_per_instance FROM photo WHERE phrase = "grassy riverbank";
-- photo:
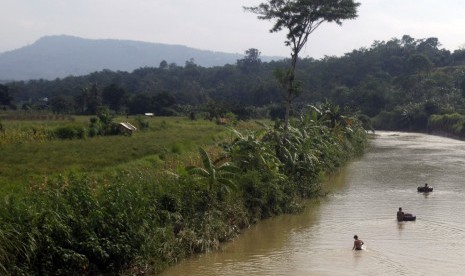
(141, 213)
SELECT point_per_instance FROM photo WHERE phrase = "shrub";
(66, 227)
(93, 131)
(70, 132)
(265, 197)
(231, 118)
(453, 123)
(142, 123)
(177, 148)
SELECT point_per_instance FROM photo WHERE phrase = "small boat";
(406, 217)
(424, 189)
(410, 218)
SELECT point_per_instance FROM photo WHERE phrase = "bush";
(277, 112)
(388, 120)
(265, 197)
(142, 123)
(231, 118)
(177, 148)
(93, 131)
(70, 132)
(66, 227)
(449, 123)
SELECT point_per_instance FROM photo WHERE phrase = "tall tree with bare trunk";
(300, 18)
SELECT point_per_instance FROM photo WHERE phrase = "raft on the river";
(424, 189)
(409, 217)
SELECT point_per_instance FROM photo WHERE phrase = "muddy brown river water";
(363, 200)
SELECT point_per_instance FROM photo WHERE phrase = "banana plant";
(251, 152)
(217, 175)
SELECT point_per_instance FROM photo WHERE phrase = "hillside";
(59, 56)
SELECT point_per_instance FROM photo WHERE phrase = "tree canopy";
(5, 97)
(299, 18)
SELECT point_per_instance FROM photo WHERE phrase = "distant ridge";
(60, 56)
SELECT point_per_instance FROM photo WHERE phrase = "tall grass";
(452, 124)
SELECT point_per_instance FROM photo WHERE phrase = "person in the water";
(400, 214)
(357, 243)
(403, 216)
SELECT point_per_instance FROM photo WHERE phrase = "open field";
(22, 160)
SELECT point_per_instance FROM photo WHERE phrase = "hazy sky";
(222, 25)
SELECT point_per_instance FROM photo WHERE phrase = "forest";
(397, 84)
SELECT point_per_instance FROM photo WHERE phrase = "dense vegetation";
(398, 83)
(139, 218)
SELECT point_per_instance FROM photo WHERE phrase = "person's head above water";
(356, 237)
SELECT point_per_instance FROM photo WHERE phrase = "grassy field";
(28, 155)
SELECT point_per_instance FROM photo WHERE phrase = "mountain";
(53, 57)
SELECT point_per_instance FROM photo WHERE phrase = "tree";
(300, 18)
(114, 96)
(161, 102)
(105, 119)
(61, 104)
(140, 104)
(251, 62)
(462, 87)
(163, 65)
(5, 98)
(88, 100)
(419, 63)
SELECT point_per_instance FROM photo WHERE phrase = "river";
(363, 200)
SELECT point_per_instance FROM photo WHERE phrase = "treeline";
(140, 221)
(398, 83)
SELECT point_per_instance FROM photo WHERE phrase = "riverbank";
(141, 221)
(365, 197)
(451, 125)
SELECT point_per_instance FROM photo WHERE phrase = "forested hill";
(60, 56)
(400, 84)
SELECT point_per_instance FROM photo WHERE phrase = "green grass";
(165, 136)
